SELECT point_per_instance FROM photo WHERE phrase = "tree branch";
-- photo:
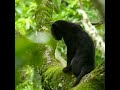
(98, 23)
(100, 45)
(81, 6)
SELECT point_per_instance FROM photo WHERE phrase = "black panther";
(80, 48)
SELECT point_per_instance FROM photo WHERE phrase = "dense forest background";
(39, 59)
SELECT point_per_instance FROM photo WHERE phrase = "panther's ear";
(54, 26)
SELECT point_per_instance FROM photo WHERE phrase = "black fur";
(80, 48)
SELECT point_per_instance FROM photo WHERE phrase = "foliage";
(28, 56)
(43, 15)
(28, 79)
(27, 52)
(24, 16)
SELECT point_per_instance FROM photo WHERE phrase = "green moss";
(95, 80)
(55, 79)
(93, 84)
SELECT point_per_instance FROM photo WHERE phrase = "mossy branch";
(55, 79)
